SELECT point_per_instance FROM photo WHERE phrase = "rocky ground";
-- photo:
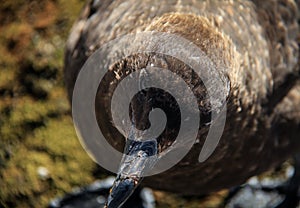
(40, 155)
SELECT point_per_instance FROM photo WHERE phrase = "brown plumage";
(254, 42)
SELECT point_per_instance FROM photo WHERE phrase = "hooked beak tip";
(135, 163)
(121, 191)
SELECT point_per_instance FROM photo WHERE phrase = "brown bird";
(254, 48)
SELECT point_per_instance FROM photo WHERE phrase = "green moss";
(55, 148)
(69, 10)
(15, 31)
(27, 110)
(6, 78)
(36, 129)
(7, 60)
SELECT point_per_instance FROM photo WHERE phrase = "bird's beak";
(139, 157)
(121, 191)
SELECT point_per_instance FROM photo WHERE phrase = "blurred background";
(40, 155)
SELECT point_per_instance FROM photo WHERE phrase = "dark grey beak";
(121, 191)
(135, 163)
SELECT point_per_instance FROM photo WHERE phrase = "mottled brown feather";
(257, 43)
